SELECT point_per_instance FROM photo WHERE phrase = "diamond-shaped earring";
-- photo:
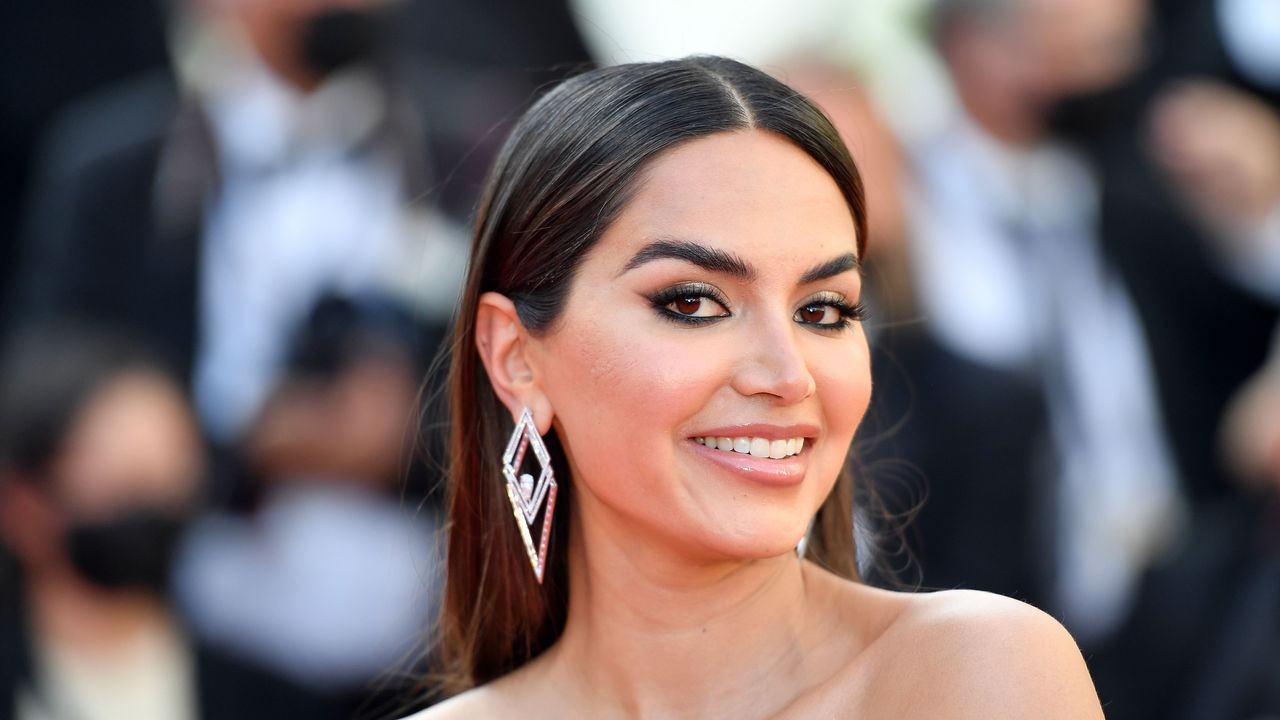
(527, 495)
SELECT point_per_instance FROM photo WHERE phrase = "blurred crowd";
(232, 233)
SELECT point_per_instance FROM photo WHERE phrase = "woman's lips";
(780, 472)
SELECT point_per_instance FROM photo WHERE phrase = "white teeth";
(754, 446)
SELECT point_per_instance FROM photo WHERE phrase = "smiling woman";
(663, 301)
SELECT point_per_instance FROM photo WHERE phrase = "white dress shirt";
(305, 205)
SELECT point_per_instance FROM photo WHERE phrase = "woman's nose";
(774, 364)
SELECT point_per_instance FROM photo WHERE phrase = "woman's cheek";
(624, 390)
(843, 380)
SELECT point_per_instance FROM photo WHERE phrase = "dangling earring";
(525, 494)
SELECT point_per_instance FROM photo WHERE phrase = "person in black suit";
(146, 188)
(1209, 328)
(207, 212)
(1207, 331)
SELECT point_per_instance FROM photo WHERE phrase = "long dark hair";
(562, 177)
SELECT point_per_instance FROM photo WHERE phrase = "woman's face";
(722, 303)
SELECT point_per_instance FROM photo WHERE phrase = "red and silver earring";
(527, 495)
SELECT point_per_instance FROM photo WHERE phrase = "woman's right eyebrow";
(707, 258)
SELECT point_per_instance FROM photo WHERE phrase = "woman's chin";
(757, 543)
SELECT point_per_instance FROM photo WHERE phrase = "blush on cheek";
(628, 360)
(619, 393)
(844, 386)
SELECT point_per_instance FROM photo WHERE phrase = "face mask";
(1086, 115)
(334, 39)
(132, 551)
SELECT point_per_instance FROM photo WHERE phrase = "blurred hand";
(1221, 148)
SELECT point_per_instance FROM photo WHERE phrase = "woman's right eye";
(696, 306)
(691, 304)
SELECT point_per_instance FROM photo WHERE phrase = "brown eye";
(696, 306)
(815, 314)
(691, 304)
(687, 305)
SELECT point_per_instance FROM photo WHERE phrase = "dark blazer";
(956, 451)
(95, 246)
(1206, 335)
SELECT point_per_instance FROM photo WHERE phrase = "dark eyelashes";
(687, 290)
(665, 297)
(848, 312)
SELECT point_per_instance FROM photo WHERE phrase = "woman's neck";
(650, 635)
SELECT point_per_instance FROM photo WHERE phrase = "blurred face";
(285, 37)
(349, 429)
(133, 445)
(111, 504)
(1080, 46)
(871, 143)
(1042, 52)
(709, 369)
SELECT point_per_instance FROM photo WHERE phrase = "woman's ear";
(503, 344)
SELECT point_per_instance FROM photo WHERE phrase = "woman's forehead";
(752, 193)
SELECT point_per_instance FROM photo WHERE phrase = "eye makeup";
(682, 303)
(846, 312)
(697, 303)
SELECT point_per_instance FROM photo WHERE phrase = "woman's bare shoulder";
(475, 703)
(519, 693)
(963, 653)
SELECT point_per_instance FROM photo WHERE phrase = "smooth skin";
(687, 598)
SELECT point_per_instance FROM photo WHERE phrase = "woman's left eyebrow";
(831, 268)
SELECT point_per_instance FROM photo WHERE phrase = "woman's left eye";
(830, 313)
(818, 315)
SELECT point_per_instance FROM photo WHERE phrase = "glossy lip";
(783, 472)
(761, 430)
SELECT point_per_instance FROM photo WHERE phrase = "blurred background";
(232, 233)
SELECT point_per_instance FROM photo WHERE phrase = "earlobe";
(503, 345)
